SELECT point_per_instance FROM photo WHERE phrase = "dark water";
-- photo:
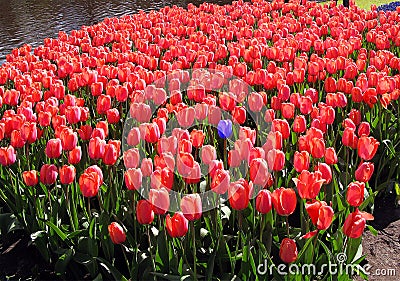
(30, 21)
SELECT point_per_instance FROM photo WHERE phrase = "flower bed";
(207, 142)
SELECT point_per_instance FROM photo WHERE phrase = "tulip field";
(206, 143)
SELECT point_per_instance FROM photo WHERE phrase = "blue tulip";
(224, 128)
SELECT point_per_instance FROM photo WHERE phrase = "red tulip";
(367, 147)
(201, 111)
(287, 110)
(317, 147)
(364, 172)
(144, 212)
(169, 144)
(146, 167)
(284, 201)
(301, 161)
(309, 184)
(133, 179)
(197, 138)
(349, 138)
(90, 181)
(355, 193)
(75, 155)
(30, 178)
(234, 158)
(239, 193)
(239, 114)
(276, 159)
(151, 133)
(177, 225)
(256, 152)
(117, 233)
(288, 250)
(16, 139)
(299, 124)
(185, 116)
(29, 132)
(111, 154)
(264, 201)
(166, 159)
(220, 181)
(85, 132)
(133, 137)
(48, 174)
(162, 178)
(355, 222)
(185, 162)
(327, 114)
(67, 174)
(73, 114)
(113, 116)
(159, 199)
(96, 148)
(274, 141)
(355, 116)
(191, 206)
(330, 85)
(259, 172)
(330, 156)
(8, 155)
(247, 133)
(305, 105)
(227, 101)
(96, 89)
(69, 139)
(282, 126)
(325, 171)
(131, 158)
(54, 148)
(214, 114)
(364, 129)
(320, 213)
(208, 154)
(255, 102)
(103, 104)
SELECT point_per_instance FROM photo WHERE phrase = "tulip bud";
(30, 178)
(117, 233)
(144, 212)
(177, 225)
(264, 201)
(288, 250)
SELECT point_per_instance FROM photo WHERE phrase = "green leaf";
(162, 256)
(354, 248)
(63, 261)
(171, 277)
(39, 239)
(111, 269)
(57, 230)
(373, 230)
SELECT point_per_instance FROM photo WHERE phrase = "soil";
(21, 261)
(383, 250)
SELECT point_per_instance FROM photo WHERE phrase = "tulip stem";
(151, 254)
(225, 157)
(287, 226)
(126, 258)
(194, 250)
(239, 238)
(88, 208)
(261, 227)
